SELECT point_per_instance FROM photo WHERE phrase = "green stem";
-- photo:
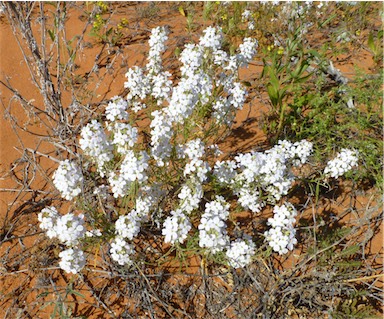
(281, 119)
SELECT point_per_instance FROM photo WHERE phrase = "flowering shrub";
(168, 173)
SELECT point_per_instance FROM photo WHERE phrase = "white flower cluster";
(72, 260)
(248, 50)
(48, 219)
(95, 144)
(213, 228)
(68, 179)
(132, 169)
(222, 111)
(240, 252)
(156, 43)
(121, 251)
(161, 86)
(212, 38)
(69, 229)
(128, 226)
(297, 152)
(116, 109)
(225, 172)
(147, 199)
(137, 83)
(196, 167)
(237, 96)
(247, 16)
(342, 163)
(176, 227)
(281, 236)
(190, 195)
(124, 136)
(249, 198)
(161, 134)
(183, 100)
(270, 170)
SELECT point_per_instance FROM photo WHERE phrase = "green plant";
(375, 44)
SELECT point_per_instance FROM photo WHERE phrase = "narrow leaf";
(182, 12)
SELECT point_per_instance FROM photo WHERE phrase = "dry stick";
(364, 278)
(41, 154)
(98, 298)
(165, 307)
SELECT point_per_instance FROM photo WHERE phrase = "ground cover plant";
(138, 197)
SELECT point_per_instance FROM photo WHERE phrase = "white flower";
(68, 179)
(343, 163)
(240, 253)
(225, 172)
(48, 219)
(148, 199)
(246, 15)
(222, 111)
(251, 25)
(116, 110)
(190, 196)
(124, 136)
(249, 199)
(176, 227)
(220, 57)
(72, 260)
(128, 226)
(237, 96)
(70, 228)
(197, 168)
(194, 149)
(276, 178)
(298, 152)
(302, 150)
(137, 83)
(95, 144)
(281, 237)
(212, 38)
(161, 86)
(157, 46)
(119, 185)
(161, 134)
(183, 101)
(93, 233)
(191, 58)
(212, 228)
(248, 50)
(133, 168)
(121, 251)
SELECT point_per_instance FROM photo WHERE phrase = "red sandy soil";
(246, 134)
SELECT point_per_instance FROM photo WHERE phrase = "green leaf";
(350, 251)
(273, 95)
(74, 292)
(274, 80)
(51, 35)
(328, 20)
(371, 42)
(348, 264)
(182, 12)
(314, 53)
